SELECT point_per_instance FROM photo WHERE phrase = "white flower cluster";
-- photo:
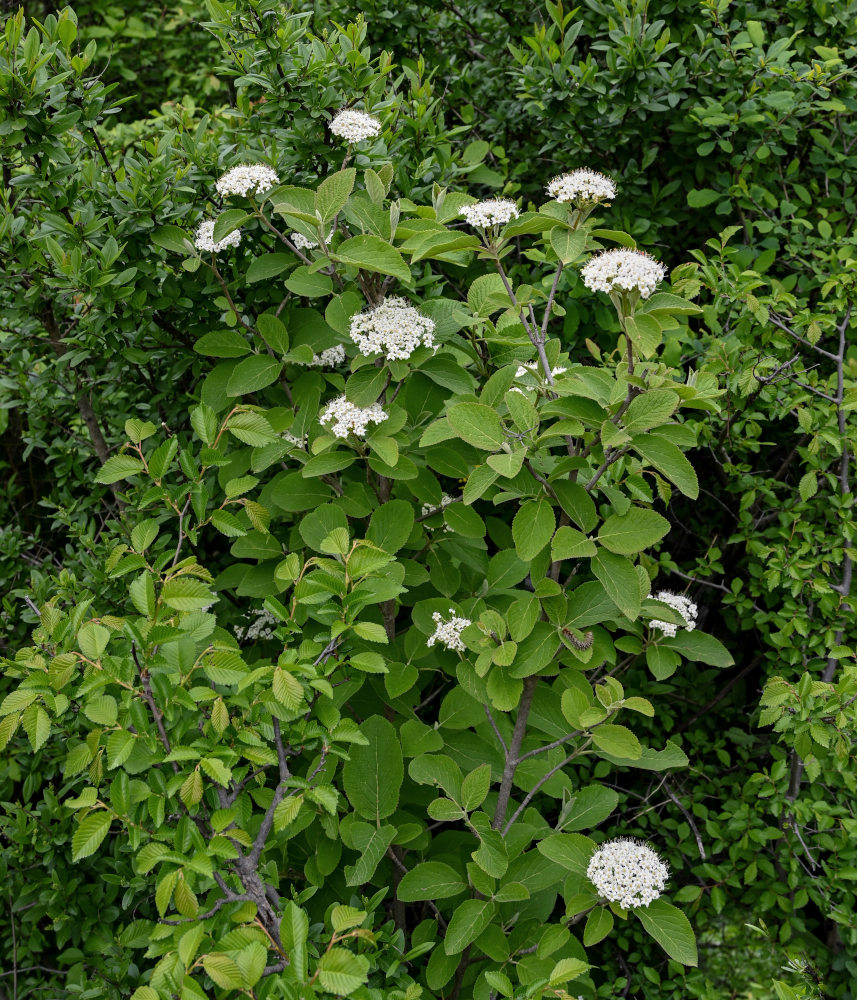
(491, 212)
(355, 125)
(302, 243)
(260, 628)
(249, 178)
(683, 605)
(347, 418)
(298, 442)
(448, 633)
(204, 238)
(330, 357)
(629, 270)
(393, 328)
(627, 872)
(583, 185)
(534, 368)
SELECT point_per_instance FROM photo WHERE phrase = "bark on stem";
(513, 752)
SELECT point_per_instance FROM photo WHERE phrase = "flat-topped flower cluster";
(345, 418)
(354, 125)
(683, 605)
(448, 633)
(627, 872)
(393, 328)
(204, 238)
(582, 185)
(626, 270)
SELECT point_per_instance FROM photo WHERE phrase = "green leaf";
(532, 528)
(90, 833)
(566, 969)
(478, 425)
(650, 409)
(186, 594)
(172, 238)
(227, 222)
(222, 344)
(102, 710)
(268, 266)
(470, 919)
(808, 486)
(599, 923)
(572, 851)
(701, 197)
(569, 543)
(223, 971)
(617, 740)
(619, 579)
(342, 972)
(391, 524)
(37, 726)
(373, 845)
(669, 461)
(373, 776)
(588, 807)
(475, 787)
(118, 467)
(93, 639)
(252, 374)
(430, 880)
(638, 529)
(568, 245)
(371, 253)
(294, 931)
(671, 929)
(251, 428)
(700, 647)
(333, 193)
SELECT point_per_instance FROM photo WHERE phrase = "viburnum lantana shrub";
(370, 757)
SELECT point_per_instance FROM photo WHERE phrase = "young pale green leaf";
(649, 410)
(669, 461)
(618, 741)
(569, 543)
(223, 971)
(342, 972)
(567, 244)
(333, 193)
(671, 929)
(89, 834)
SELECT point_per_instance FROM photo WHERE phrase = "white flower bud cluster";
(448, 633)
(627, 270)
(491, 212)
(534, 368)
(627, 872)
(302, 243)
(393, 328)
(297, 442)
(683, 605)
(249, 178)
(204, 238)
(583, 186)
(260, 628)
(346, 418)
(354, 126)
(330, 357)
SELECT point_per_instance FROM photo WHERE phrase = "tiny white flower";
(249, 178)
(393, 328)
(683, 605)
(259, 628)
(297, 442)
(627, 872)
(627, 270)
(204, 238)
(582, 186)
(491, 212)
(346, 418)
(354, 125)
(302, 243)
(448, 633)
(330, 357)
(534, 368)
(429, 508)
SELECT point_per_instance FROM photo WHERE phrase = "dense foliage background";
(729, 128)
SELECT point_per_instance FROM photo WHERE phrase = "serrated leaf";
(89, 834)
